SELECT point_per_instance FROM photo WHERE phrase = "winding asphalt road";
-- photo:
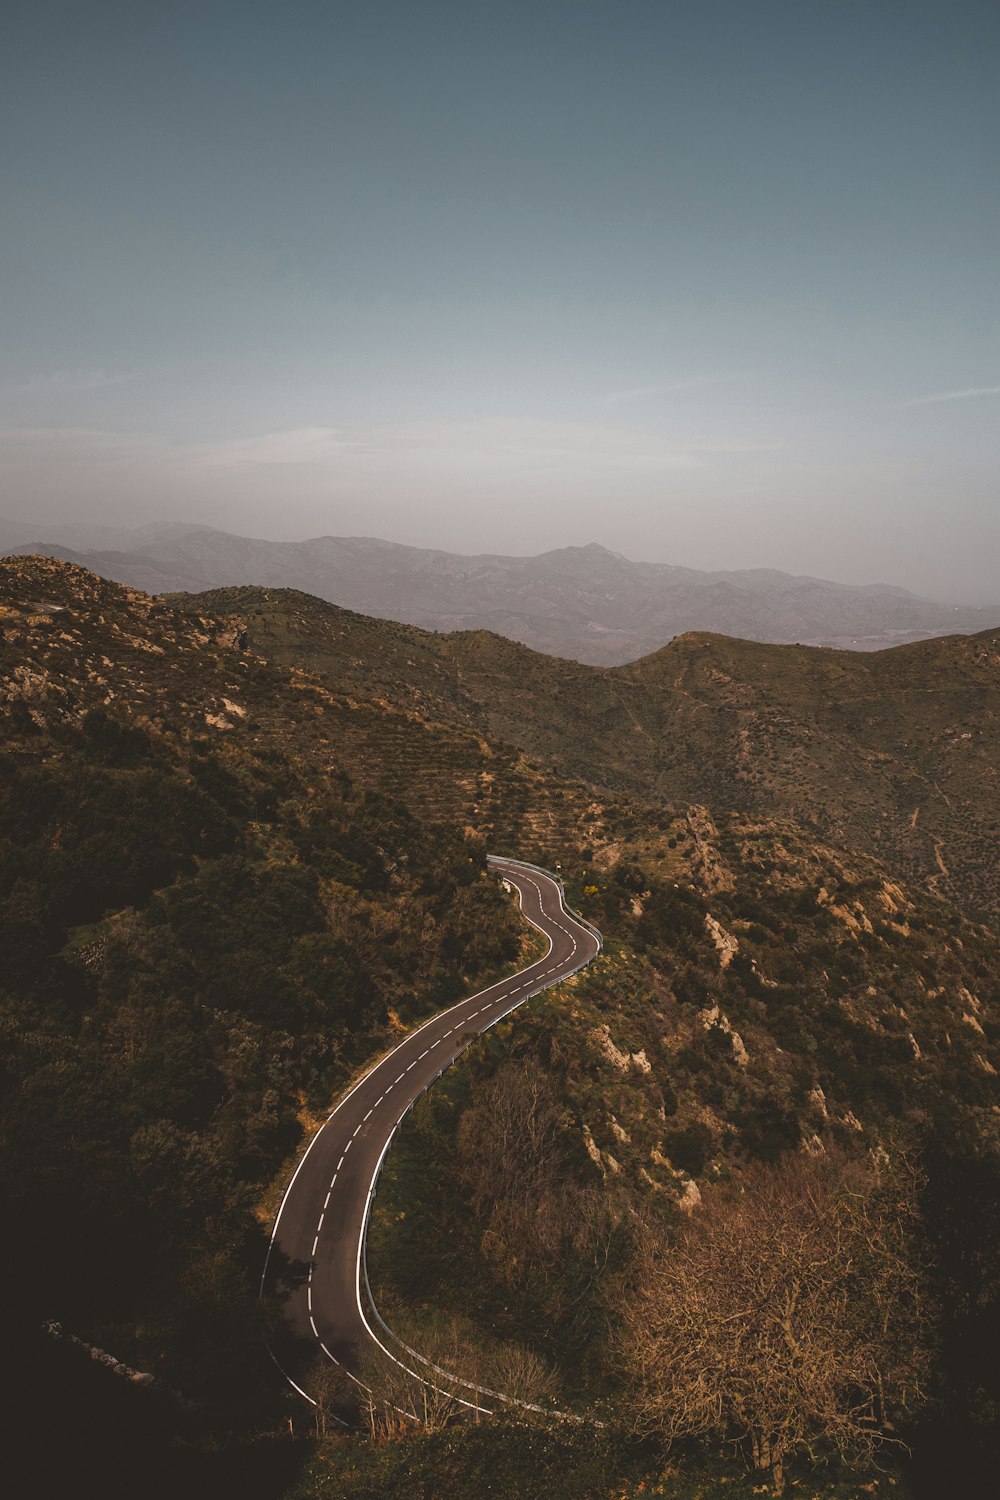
(323, 1218)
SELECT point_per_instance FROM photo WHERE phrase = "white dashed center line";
(494, 1007)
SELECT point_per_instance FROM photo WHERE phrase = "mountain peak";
(583, 601)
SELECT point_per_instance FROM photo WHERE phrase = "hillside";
(584, 603)
(894, 753)
(241, 845)
(205, 929)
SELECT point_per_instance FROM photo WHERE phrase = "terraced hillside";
(74, 641)
(896, 753)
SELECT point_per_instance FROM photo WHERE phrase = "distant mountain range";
(584, 603)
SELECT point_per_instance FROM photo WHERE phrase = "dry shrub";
(789, 1315)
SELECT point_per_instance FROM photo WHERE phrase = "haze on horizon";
(710, 284)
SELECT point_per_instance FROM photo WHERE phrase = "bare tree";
(788, 1314)
(433, 1381)
(332, 1391)
(515, 1163)
(510, 1140)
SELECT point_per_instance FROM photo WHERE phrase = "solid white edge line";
(362, 1238)
(494, 862)
(421, 1380)
(374, 1069)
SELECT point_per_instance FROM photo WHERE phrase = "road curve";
(323, 1217)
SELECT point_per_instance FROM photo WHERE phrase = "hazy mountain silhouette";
(585, 603)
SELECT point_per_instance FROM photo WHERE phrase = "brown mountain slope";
(767, 987)
(70, 641)
(895, 753)
(396, 710)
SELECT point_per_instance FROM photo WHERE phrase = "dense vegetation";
(239, 850)
(196, 950)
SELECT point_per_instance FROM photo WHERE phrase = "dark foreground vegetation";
(735, 1192)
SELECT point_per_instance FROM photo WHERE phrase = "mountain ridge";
(581, 602)
(890, 752)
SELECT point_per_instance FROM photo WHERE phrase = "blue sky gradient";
(710, 282)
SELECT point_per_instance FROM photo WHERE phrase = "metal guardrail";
(526, 864)
(471, 1386)
(457, 1380)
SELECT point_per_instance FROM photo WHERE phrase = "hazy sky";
(712, 282)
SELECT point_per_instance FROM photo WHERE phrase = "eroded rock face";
(233, 635)
(715, 873)
(593, 1150)
(690, 1199)
(714, 1017)
(622, 1062)
(818, 1098)
(602, 1159)
(725, 943)
(601, 1037)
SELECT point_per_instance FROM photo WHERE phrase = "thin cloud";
(968, 393)
(65, 382)
(80, 444)
(498, 443)
(293, 446)
(695, 382)
(496, 457)
(632, 393)
(405, 443)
